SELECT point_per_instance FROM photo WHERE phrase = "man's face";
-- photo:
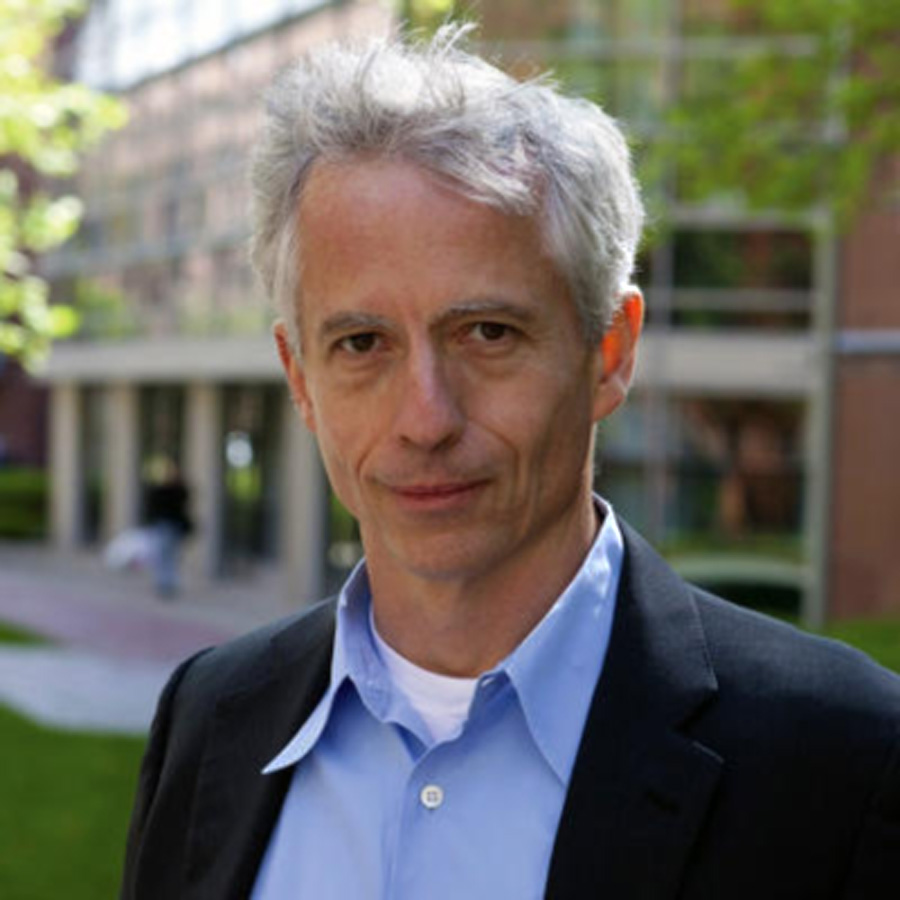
(443, 372)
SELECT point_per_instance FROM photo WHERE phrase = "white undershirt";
(442, 701)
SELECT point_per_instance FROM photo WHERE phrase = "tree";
(426, 14)
(798, 113)
(45, 126)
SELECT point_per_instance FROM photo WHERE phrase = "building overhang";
(160, 360)
(770, 365)
(729, 363)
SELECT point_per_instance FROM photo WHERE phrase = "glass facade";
(167, 207)
(126, 41)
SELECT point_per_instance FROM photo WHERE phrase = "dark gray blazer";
(725, 757)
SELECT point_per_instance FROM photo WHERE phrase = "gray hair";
(520, 147)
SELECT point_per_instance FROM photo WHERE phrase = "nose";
(429, 411)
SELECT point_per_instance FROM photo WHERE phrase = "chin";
(444, 558)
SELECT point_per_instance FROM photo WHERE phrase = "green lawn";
(64, 812)
(12, 634)
(880, 638)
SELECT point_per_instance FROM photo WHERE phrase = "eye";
(490, 332)
(358, 344)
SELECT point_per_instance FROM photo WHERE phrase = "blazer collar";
(236, 806)
(640, 787)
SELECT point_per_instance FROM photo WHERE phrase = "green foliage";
(64, 815)
(796, 116)
(102, 312)
(23, 503)
(12, 634)
(45, 126)
(428, 15)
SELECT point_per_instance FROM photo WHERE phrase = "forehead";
(355, 197)
(376, 227)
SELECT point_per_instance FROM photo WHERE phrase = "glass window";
(736, 470)
(723, 258)
(344, 548)
(727, 278)
(620, 18)
(161, 435)
(707, 475)
(162, 426)
(251, 475)
(93, 463)
(622, 461)
(630, 88)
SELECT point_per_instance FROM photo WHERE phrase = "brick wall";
(23, 417)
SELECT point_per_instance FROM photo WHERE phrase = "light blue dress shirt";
(376, 809)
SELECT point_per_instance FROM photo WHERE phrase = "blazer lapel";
(236, 806)
(640, 786)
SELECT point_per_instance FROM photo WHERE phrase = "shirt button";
(431, 796)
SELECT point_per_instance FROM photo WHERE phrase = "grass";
(880, 638)
(64, 814)
(12, 634)
(66, 801)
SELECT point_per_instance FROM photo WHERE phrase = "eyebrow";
(486, 307)
(343, 322)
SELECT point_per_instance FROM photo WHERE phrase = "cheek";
(545, 426)
(346, 441)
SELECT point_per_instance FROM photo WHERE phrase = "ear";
(618, 355)
(296, 377)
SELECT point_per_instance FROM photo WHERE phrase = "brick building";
(756, 448)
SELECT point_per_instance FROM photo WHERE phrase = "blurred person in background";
(169, 522)
(513, 696)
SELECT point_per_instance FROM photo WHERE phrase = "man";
(513, 697)
(166, 513)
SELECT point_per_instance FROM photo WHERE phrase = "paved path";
(113, 642)
(71, 689)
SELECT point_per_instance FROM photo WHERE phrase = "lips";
(437, 495)
(437, 490)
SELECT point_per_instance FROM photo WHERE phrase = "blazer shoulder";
(757, 656)
(287, 660)
(304, 637)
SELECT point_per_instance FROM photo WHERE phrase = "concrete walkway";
(113, 643)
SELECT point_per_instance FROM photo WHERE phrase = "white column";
(302, 525)
(203, 475)
(67, 490)
(819, 439)
(121, 426)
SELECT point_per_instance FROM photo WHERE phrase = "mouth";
(437, 496)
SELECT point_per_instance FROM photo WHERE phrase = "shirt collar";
(556, 668)
(553, 671)
(353, 660)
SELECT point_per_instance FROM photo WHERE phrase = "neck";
(465, 626)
